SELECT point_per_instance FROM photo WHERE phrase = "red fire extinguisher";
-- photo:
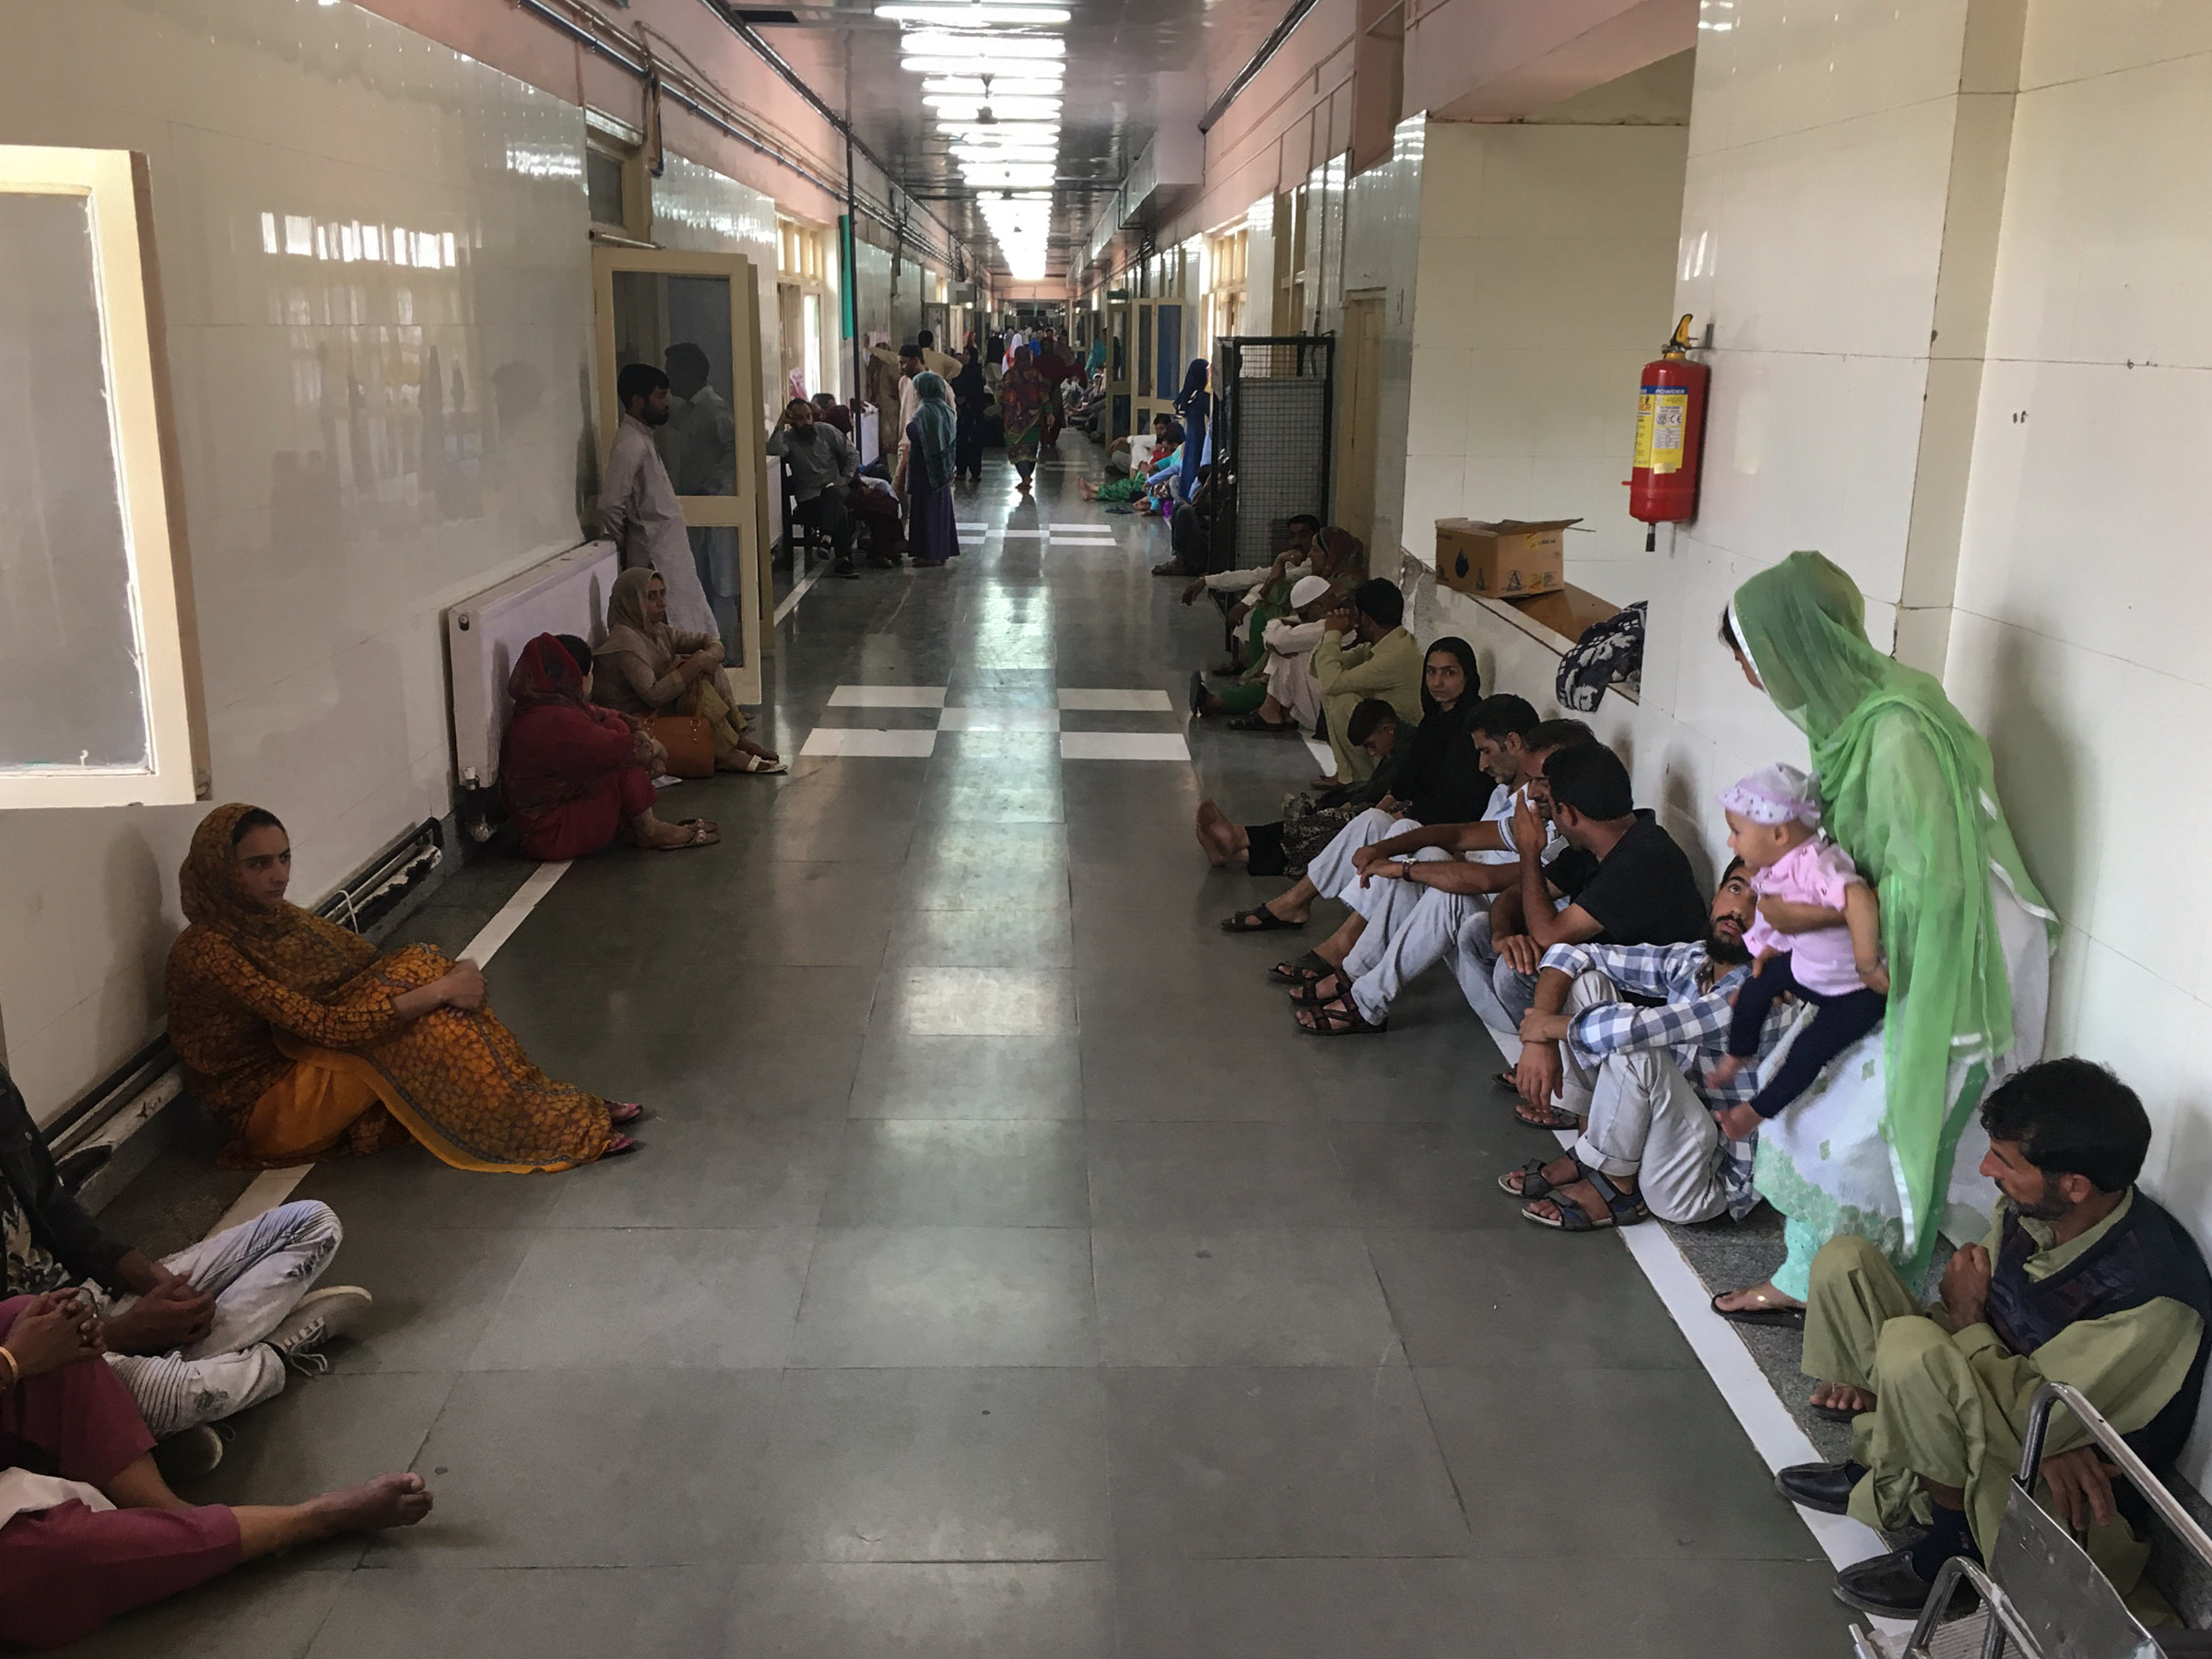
(1670, 436)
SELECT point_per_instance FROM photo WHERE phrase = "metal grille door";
(1274, 440)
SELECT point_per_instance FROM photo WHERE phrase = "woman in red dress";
(574, 775)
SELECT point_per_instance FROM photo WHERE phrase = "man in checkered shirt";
(1635, 1074)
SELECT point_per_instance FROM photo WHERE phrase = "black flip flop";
(1833, 1414)
(1259, 919)
(1786, 1319)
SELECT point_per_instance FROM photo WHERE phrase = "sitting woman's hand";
(464, 987)
(57, 1330)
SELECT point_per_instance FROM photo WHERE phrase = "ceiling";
(1113, 49)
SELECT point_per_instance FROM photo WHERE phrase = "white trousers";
(1330, 870)
(257, 1273)
(1453, 928)
(1645, 1120)
(1291, 683)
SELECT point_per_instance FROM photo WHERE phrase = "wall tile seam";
(2152, 65)
(2058, 640)
(2071, 929)
(1782, 134)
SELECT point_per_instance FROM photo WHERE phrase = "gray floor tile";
(1697, 1488)
(320, 1433)
(1297, 1461)
(1671, 1608)
(912, 1296)
(407, 1189)
(694, 1297)
(916, 1173)
(757, 1071)
(1254, 1296)
(265, 1609)
(1032, 1610)
(1427, 1174)
(1133, 1073)
(1028, 939)
(435, 1288)
(706, 1168)
(939, 1000)
(1498, 1297)
(1314, 1609)
(521, 1613)
(903, 1074)
(623, 1467)
(934, 1465)
(1216, 1175)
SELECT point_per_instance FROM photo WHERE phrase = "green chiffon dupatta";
(1908, 790)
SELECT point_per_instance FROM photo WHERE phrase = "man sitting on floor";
(197, 1337)
(1505, 734)
(2083, 1280)
(1634, 1077)
(1384, 662)
(1235, 592)
(88, 1528)
(1621, 881)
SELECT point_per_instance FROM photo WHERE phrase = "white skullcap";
(1308, 589)
(1775, 795)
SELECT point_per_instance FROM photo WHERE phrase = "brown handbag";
(690, 740)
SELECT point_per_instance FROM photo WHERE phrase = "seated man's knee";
(1588, 991)
(1907, 1347)
(1844, 1254)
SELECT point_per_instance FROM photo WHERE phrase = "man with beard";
(1633, 1076)
(638, 508)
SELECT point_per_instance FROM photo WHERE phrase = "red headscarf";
(545, 672)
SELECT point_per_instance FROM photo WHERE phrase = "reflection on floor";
(1002, 1278)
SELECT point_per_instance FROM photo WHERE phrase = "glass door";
(697, 316)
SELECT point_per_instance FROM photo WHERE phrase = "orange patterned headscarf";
(294, 946)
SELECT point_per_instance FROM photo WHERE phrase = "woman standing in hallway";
(1195, 405)
(969, 391)
(1021, 395)
(645, 667)
(1907, 788)
(925, 472)
(308, 1044)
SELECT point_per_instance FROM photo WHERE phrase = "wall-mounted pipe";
(1257, 62)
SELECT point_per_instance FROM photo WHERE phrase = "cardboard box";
(1510, 559)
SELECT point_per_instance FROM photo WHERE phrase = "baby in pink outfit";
(1817, 938)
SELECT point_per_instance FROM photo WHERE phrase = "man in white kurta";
(638, 508)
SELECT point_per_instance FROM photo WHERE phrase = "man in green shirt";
(1385, 662)
(2083, 1280)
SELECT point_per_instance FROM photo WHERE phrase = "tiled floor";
(1002, 1278)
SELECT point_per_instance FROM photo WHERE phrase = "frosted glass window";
(681, 324)
(72, 682)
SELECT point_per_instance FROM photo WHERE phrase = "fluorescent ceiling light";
(1006, 109)
(973, 17)
(1038, 153)
(1008, 132)
(939, 42)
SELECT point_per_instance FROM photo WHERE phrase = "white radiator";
(484, 633)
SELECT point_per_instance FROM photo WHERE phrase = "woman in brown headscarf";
(308, 1044)
(645, 667)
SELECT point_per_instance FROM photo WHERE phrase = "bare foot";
(1754, 1298)
(1842, 1397)
(662, 837)
(1209, 837)
(377, 1505)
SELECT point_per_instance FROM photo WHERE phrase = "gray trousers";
(1643, 1119)
(257, 1273)
(1453, 928)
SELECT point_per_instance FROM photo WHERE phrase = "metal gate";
(1276, 397)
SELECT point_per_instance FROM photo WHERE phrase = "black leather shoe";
(1822, 1486)
(1889, 1586)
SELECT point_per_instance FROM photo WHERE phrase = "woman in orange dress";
(308, 1044)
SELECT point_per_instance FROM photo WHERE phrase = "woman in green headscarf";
(925, 473)
(1908, 790)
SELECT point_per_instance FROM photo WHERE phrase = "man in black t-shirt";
(1622, 880)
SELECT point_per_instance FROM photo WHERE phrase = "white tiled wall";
(1546, 264)
(334, 500)
(2077, 643)
(1380, 234)
(700, 211)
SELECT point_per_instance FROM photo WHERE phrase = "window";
(616, 183)
(799, 250)
(603, 181)
(99, 703)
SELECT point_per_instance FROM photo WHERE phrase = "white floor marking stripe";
(1123, 746)
(791, 600)
(272, 1187)
(888, 697)
(501, 928)
(1323, 755)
